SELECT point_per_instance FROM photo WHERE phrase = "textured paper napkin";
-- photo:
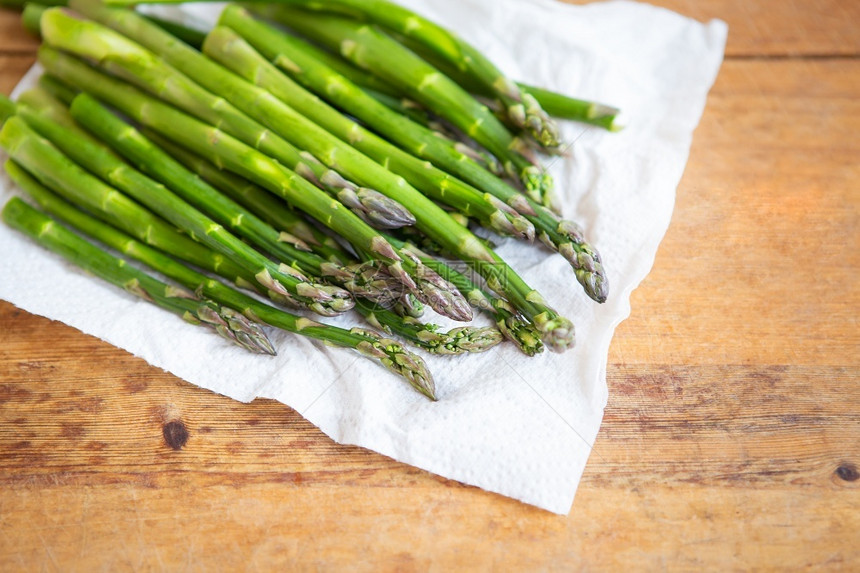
(522, 427)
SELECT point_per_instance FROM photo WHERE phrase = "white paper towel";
(522, 427)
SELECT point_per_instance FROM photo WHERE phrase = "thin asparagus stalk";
(232, 154)
(31, 15)
(389, 353)
(45, 231)
(555, 104)
(566, 107)
(64, 29)
(285, 282)
(414, 111)
(7, 108)
(56, 171)
(369, 48)
(191, 35)
(57, 89)
(226, 47)
(293, 56)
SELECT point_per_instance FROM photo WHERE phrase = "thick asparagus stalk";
(24, 145)
(388, 352)
(57, 89)
(232, 154)
(298, 59)
(225, 321)
(370, 49)
(31, 15)
(566, 107)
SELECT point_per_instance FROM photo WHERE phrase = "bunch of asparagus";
(325, 176)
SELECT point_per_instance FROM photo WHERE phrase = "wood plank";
(12, 68)
(764, 235)
(13, 37)
(270, 526)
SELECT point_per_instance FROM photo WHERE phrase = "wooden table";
(731, 439)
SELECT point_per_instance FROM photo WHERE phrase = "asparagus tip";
(556, 331)
(399, 360)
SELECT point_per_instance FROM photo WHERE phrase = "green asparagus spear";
(392, 356)
(369, 48)
(225, 321)
(555, 104)
(31, 15)
(297, 58)
(57, 89)
(7, 108)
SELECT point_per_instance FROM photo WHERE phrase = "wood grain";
(764, 28)
(731, 440)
